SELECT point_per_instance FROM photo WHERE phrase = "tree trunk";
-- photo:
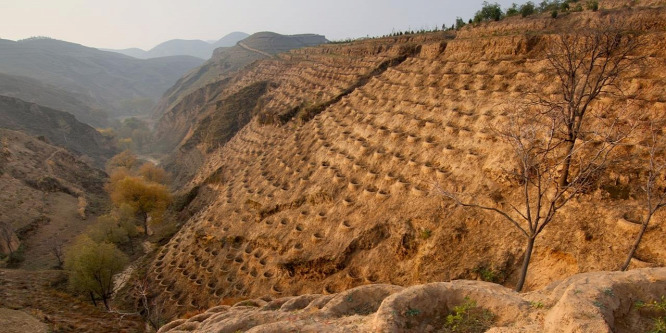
(564, 179)
(526, 263)
(636, 243)
(106, 303)
(92, 298)
(131, 244)
(145, 222)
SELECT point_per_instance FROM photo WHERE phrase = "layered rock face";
(590, 302)
(329, 184)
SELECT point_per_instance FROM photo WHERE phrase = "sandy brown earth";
(14, 321)
(591, 302)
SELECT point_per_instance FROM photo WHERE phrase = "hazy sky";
(146, 23)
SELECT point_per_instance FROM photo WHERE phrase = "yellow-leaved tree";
(153, 173)
(148, 199)
(125, 159)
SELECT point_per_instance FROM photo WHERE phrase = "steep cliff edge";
(329, 186)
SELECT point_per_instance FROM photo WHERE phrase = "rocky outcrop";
(592, 302)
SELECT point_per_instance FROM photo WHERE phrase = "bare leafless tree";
(7, 236)
(655, 192)
(150, 307)
(539, 154)
(587, 64)
(57, 249)
(558, 147)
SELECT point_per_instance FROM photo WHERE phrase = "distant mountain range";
(31, 90)
(108, 82)
(196, 48)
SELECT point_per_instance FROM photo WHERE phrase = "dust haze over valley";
(347, 167)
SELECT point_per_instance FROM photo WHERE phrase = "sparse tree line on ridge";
(494, 12)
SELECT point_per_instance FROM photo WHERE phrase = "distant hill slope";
(30, 90)
(59, 128)
(230, 39)
(195, 47)
(134, 52)
(258, 46)
(114, 81)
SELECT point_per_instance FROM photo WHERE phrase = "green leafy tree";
(459, 23)
(108, 229)
(513, 10)
(593, 5)
(489, 12)
(91, 267)
(126, 217)
(527, 9)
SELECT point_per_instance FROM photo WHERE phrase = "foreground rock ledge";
(589, 302)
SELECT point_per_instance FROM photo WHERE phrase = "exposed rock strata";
(591, 302)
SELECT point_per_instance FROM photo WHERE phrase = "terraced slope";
(296, 84)
(228, 60)
(322, 199)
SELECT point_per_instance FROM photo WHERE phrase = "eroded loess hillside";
(296, 84)
(329, 185)
(226, 61)
(47, 193)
